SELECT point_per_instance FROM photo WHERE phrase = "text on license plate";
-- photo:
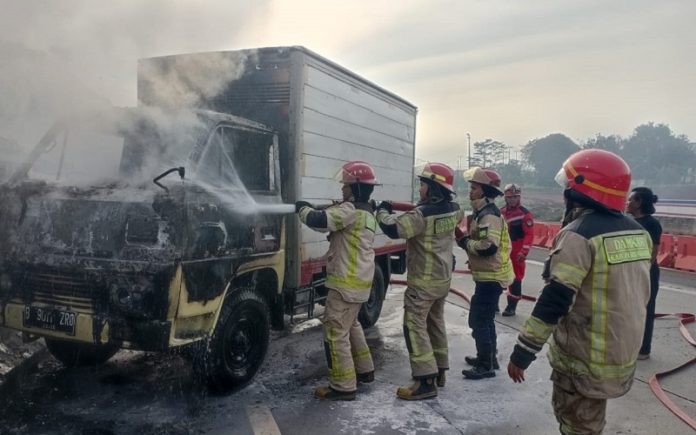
(49, 318)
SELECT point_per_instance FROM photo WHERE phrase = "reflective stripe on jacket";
(429, 233)
(520, 223)
(350, 264)
(604, 259)
(489, 233)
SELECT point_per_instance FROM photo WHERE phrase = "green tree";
(657, 156)
(546, 155)
(488, 153)
(611, 143)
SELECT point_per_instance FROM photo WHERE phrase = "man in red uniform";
(521, 228)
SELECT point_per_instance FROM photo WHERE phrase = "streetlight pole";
(468, 140)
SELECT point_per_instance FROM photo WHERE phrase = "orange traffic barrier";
(666, 251)
(553, 231)
(541, 233)
(686, 253)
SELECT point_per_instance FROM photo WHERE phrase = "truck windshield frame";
(239, 158)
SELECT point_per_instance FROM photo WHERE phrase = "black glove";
(462, 242)
(299, 205)
(386, 205)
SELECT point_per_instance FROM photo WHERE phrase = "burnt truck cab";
(95, 256)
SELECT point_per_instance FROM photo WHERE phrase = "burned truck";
(169, 226)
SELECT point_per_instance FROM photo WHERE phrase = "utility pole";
(468, 140)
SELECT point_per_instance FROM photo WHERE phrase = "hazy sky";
(509, 70)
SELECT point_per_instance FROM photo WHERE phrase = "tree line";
(656, 155)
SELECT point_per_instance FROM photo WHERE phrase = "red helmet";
(598, 174)
(439, 173)
(356, 172)
(512, 190)
(484, 176)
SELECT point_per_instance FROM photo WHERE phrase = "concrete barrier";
(667, 251)
(541, 233)
(686, 253)
(553, 231)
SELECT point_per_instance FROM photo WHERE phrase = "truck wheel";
(370, 310)
(240, 341)
(72, 354)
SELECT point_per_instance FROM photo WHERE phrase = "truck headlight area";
(132, 295)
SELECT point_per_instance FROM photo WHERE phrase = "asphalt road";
(145, 393)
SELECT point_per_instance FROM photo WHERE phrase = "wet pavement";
(145, 393)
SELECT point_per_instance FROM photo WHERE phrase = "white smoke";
(190, 80)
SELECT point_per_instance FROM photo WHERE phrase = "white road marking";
(261, 420)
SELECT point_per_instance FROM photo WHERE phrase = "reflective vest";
(487, 230)
(350, 265)
(605, 260)
(429, 233)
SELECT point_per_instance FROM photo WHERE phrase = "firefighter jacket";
(520, 223)
(351, 260)
(594, 304)
(429, 233)
(488, 244)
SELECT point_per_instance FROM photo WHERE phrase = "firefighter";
(350, 269)
(594, 302)
(429, 233)
(488, 247)
(521, 229)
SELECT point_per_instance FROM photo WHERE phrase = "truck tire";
(370, 310)
(239, 343)
(72, 354)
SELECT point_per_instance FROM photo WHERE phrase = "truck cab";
(96, 256)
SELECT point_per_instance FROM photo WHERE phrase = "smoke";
(76, 55)
(191, 80)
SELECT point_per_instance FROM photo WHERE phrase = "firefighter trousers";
(425, 334)
(344, 343)
(482, 316)
(576, 413)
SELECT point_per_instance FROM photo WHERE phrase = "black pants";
(482, 316)
(650, 314)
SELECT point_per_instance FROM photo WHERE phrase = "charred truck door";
(230, 284)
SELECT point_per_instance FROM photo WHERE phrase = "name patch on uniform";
(445, 224)
(483, 232)
(628, 248)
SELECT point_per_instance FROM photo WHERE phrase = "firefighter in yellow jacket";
(488, 247)
(429, 233)
(350, 269)
(594, 302)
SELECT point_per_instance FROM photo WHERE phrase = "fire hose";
(654, 382)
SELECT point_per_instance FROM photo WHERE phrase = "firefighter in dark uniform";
(429, 233)
(488, 247)
(594, 302)
(521, 228)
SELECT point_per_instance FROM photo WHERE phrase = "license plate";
(49, 318)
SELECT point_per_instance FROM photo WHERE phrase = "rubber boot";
(365, 378)
(441, 377)
(515, 290)
(510, 309)
(484, 368)
(473, 361)
(422, 388)
(328, 393)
